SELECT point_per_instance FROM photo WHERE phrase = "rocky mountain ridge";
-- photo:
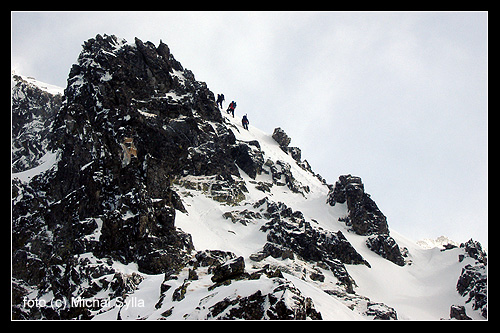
(155, 196)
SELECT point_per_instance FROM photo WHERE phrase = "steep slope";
(34, 106)
(154, 204)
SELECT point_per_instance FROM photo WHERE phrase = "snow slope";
(422, 290)
(50, 88)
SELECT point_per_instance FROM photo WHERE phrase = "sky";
(397, 98)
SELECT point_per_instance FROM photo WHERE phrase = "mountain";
(145, 201)
(34, 106)
(441, 242)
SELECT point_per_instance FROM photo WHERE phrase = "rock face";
(364, 215)
(288, 233)
(33, 111)
(132, 120)
(473, 281)
(386, 247)
(365, 218)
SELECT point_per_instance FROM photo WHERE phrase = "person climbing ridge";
(231, 108)
(220, 99)
(245, 122)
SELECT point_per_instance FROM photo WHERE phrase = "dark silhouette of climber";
(245, 122)
(220, 99)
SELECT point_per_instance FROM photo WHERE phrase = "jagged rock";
(296, 154)
(281, 138)
(33, 111)
(381, 311)
(386, 247)
(458, 312)
(229, 269)
(472, 283)
(282, 175)
(284, 302)
(474, 250)
(277, 251)
(288, 229)
(364, 215)
(365, 218)
(249, 158)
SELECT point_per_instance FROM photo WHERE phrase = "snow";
(422, 290)
(330, 307)
(50, 88)
(47, 162)
(439, 242)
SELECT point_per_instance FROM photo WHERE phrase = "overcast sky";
(397, 98)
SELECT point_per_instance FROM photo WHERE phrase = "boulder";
(458, 312)
(229, 269)
(386, 247)
(281, 138)
(248, 157)
(381, 311)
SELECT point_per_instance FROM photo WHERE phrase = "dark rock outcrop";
(228, 269)
(473, 284)
(283, 302)
(281, 138)
(381, 311)
(248, 157)
(364, 216)
(474, 250)
(131, 121)
(386, 247)
(458, 312)
(288, 232)
(33, 111)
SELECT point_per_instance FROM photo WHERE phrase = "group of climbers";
(230, 110)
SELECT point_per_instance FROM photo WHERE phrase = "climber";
(220, 99)
(245, 122)
(231, 108)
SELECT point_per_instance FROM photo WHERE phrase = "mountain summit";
(135, 197)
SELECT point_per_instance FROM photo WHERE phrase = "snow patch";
(47, 162)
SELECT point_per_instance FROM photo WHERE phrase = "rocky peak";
(365, 218)
(364, 215)
(141, 149)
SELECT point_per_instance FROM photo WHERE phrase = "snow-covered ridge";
(49, 88)
(206, 219)
(439, 242)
